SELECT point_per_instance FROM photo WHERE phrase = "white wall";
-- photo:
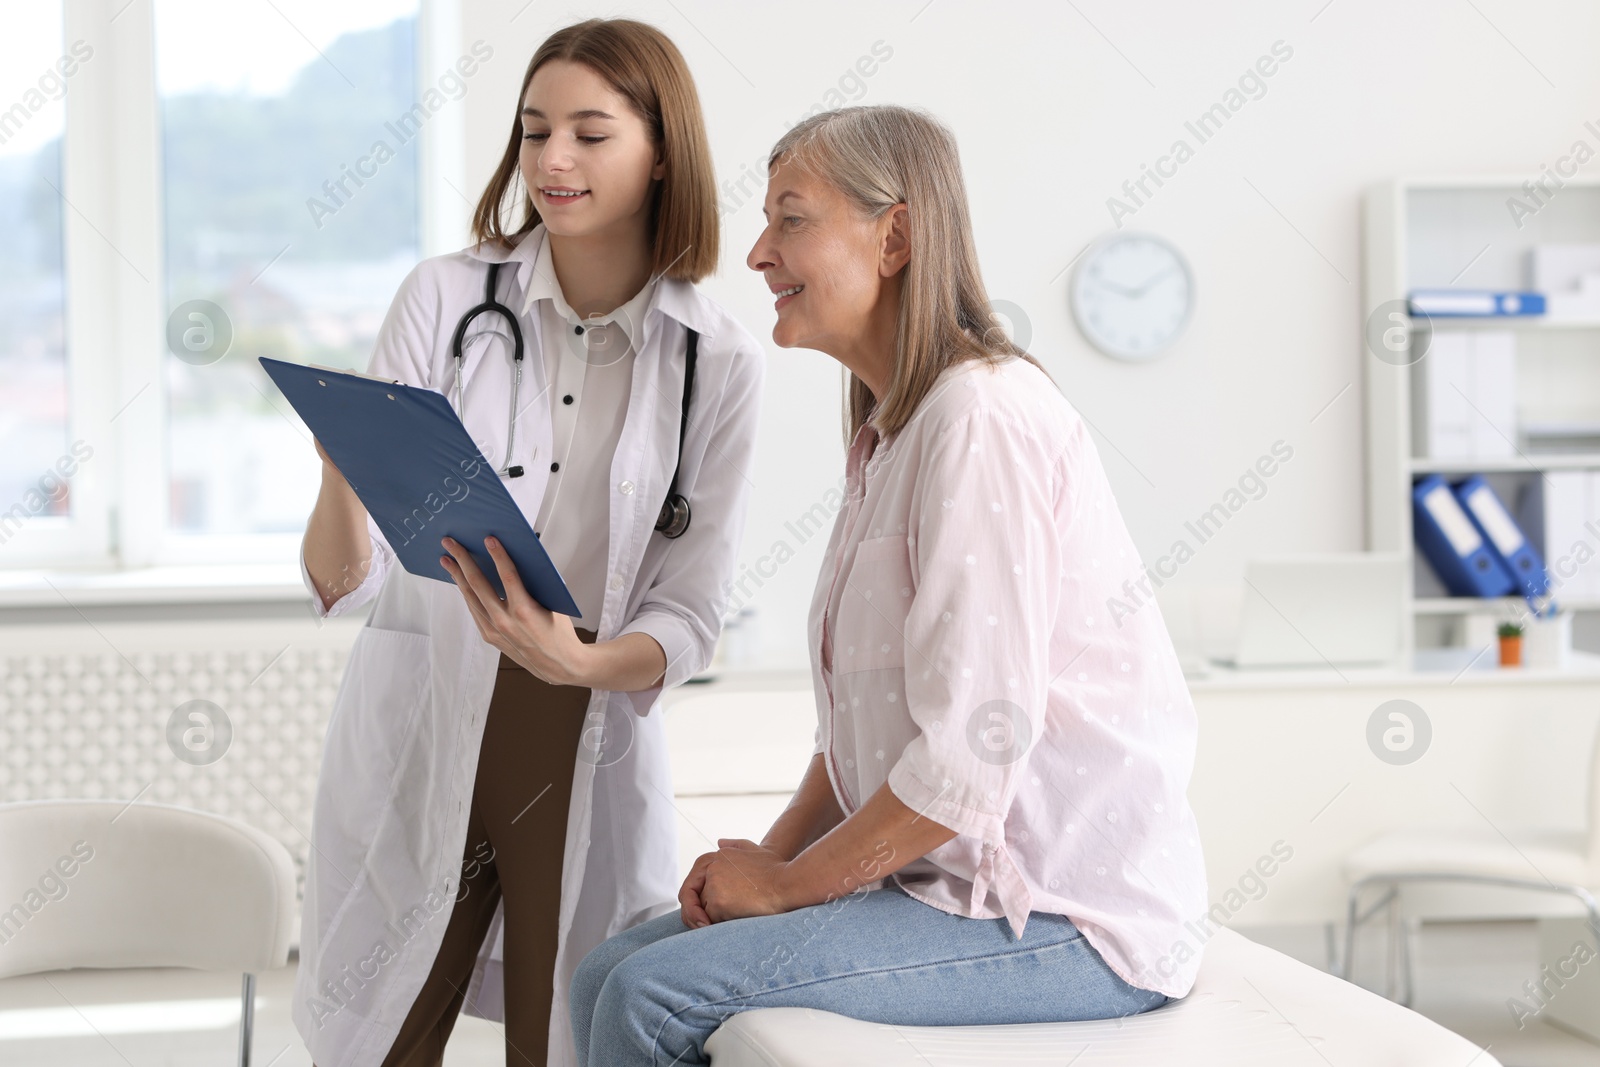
(1053, 110)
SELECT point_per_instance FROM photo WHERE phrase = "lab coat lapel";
(645, 453)
(538, 404)
(487, 422)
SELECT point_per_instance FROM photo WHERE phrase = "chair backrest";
(94, 883)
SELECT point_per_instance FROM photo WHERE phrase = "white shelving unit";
(1458, 232)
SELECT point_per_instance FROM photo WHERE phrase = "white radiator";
(85, 712)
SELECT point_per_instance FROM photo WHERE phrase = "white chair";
(1250, 1006)
(1565, 862)
(146, 885)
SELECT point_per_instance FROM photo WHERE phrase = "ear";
(659, 170)
(894, 251)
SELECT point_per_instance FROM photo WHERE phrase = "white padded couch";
(1250, 1006)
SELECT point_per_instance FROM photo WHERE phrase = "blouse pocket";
(869, 633)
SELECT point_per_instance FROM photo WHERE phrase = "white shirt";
(589, 365)
(968, 650)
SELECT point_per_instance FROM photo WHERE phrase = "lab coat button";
(626, 487)
(616, 581)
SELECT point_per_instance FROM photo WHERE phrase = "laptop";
(1320, 610)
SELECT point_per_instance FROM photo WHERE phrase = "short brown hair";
(646, 69)
(885, 155)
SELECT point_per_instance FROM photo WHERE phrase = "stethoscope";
(674, 517)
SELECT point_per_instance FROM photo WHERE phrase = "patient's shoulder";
(1014, 392)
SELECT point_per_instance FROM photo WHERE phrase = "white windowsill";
(207, 584)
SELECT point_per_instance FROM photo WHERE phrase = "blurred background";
(1266, 251)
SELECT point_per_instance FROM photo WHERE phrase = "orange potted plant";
(1510, 644)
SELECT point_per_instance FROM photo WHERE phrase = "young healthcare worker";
(494, 798)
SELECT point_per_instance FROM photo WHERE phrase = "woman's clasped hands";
(739, 880)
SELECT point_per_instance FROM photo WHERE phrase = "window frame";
(85, 533)
(115, 284)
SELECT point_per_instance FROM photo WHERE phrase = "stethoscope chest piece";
(674, 517)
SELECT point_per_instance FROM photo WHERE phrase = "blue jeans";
(654, 994)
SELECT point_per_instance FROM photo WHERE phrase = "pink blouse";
(968, 649)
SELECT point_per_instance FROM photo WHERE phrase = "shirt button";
(555, 467)
(626, 488)
(616, 581)
(567, 399)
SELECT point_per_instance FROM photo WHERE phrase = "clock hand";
(1149, 282)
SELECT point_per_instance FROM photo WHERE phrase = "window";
(35, 453)
(275, 244)
(186, 186)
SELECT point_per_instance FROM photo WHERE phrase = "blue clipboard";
(420, 475)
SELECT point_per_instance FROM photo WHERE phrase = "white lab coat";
(400, 758)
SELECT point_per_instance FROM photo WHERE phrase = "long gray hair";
(879, 157)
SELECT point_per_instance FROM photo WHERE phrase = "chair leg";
(1352, 918)
(247, 1013)
(1393, 951)
(1410, 936)
(1405, 934)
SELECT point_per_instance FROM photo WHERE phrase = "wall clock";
(1132, 295)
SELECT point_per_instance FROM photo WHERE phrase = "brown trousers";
(516, 834)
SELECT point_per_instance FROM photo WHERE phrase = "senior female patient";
(993, 827)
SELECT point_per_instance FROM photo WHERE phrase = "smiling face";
(825, 263)
(586, 155)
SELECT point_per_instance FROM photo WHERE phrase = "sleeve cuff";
(943, 805)
(682, 651)
(355, 597)
(311, 587)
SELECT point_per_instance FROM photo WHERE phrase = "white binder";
(1465, 396)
